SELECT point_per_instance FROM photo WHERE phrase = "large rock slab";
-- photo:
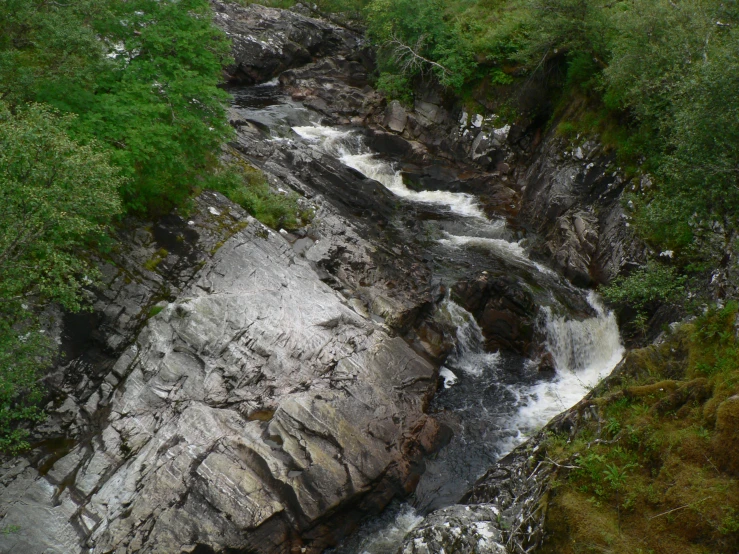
(257, 412)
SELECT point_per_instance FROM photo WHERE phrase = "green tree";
(57, 197)
(141, 75)
(418, 37)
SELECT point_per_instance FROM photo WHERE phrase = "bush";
(249, 188)
(417, 38)
(57, 198)
(141, 75)
(650, 285)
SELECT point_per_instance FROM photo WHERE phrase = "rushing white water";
(349, 148)
(470, 355)
(506, 249)
(385, 536)
(584, 353)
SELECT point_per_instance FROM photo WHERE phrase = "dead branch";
(408, 57)
(680, 508)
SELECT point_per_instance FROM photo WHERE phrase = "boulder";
(457, 529)
(395, 117)
(504, 309)
(267, 41)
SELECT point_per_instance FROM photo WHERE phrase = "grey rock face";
(248, 413)
(457, 529)
(267, 41)
(572, 197)
(395, 117)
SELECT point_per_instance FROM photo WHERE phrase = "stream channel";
(491, 401)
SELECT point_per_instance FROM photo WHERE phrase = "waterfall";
(469, 353)
(493, 401)
(579, 345)
(584, 353)
(349, 147)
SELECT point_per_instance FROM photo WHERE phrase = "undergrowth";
(248, 187)
(656, 471)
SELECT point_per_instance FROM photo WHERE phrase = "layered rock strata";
(248, 412)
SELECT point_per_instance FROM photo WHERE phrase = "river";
(491, 401)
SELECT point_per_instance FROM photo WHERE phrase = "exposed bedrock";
(248, 414)
(267, 41)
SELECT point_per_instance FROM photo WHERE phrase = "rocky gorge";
(243, 389)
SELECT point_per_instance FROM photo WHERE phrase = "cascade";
(492, 401)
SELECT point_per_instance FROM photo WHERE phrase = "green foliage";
(654, 283)
(57, 197)
(714, 347)
(10, 529)
(616, 476)
(396, 86)
(417, 38)
(730, 523)
(24, 351)
(141, 75)
(249, 188)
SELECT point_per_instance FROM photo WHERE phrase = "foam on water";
(350, 149)
(584, 352)
(509, 250)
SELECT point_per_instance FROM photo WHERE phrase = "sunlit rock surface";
(247, 412)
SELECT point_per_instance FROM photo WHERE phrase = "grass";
(657, 470)
(248, 187)
(159, 256)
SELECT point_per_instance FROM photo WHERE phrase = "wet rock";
(251, 412)
(546, 363)
(458, 529)
(337, 87)
(505, 311)
(267, 41)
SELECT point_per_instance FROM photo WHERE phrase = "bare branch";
(680, 508)
(408, 57)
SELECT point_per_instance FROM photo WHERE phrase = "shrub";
(652, 284)
(249, 188)
(57, 198)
